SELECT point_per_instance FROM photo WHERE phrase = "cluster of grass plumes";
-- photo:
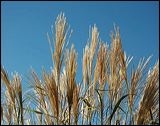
(108, 94)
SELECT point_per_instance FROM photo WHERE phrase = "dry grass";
(109, 93)
(150, 98)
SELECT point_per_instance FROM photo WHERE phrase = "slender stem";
(102, 113)
(69, 115)
(83, 116)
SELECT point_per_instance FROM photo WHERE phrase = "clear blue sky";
(24, 26)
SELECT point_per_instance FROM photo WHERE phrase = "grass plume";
(109, 93)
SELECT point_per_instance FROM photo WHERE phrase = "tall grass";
(110, 93)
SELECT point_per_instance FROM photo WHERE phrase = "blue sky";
(24, 26)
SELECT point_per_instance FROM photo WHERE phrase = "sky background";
(24, 26)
